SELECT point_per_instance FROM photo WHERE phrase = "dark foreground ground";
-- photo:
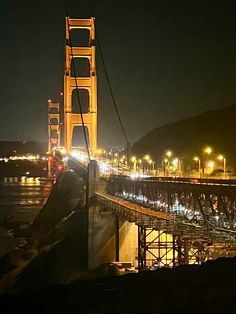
(210, 288)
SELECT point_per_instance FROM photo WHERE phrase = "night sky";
(166, 60)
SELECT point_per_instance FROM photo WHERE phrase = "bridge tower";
(53, 126)
(72, 119)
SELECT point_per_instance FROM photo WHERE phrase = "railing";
(221, 182)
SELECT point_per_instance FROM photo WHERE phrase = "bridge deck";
(162, 221)
(134, 207)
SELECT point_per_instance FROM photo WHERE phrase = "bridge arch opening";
(80, 37)
(54, 121)
(83, 99)
(54, 110)
(78, 140)
(80, 67)
(54, 134)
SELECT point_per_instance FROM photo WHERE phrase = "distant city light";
(23, 157)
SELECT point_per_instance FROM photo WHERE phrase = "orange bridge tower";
(89, 83)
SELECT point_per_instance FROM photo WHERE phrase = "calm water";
(22, 198)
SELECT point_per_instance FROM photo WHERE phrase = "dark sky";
(166, 60)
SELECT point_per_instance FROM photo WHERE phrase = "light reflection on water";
(21, 197)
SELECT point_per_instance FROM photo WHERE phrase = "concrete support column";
(117, 238)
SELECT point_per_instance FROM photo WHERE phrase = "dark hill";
(11, 148)
(187, 137)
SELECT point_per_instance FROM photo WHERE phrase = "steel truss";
(210, 206)
(158, 249)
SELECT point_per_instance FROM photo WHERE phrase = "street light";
(211, 165)
(146, 157)
(134, 161)
(206, 150)
(176, 166)
(151, 163)
(165, 161)
(140, 165)
(165, 164)
(222, 158)
(199, 164)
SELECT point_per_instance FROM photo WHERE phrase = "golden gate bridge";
(179, 220)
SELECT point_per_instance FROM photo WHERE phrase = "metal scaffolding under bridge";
(179, 222)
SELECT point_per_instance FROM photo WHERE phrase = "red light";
(59, 167)
(50, 158)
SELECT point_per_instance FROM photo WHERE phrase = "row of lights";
(175, 163)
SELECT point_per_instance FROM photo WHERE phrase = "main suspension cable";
(111, 91)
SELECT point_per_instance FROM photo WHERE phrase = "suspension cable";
(111, 91)
(77, 93)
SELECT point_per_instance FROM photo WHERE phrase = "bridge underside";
(165, 243)
(167, 235)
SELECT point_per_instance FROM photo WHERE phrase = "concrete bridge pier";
(92, 180)
(91, 186)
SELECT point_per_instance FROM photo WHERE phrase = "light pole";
(165, 165)
(146, 158)
(208, 151)
(140, 166)
(165, 160)
(176, 165)
(151, 165)
(222, 158)
(153, 168)
(134, 161)
(199, 165)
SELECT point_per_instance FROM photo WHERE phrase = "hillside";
(188, 289)
(11, 148)
(187, 137)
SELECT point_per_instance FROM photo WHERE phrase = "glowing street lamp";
(176, 165)
(175, 162)
(134, 161)
(146, 157)
(222, 158)
(150, 165)
(211, 165)
(195, 158)
(165, 160)
(169, 153)
(206, 150)
(140, 165)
